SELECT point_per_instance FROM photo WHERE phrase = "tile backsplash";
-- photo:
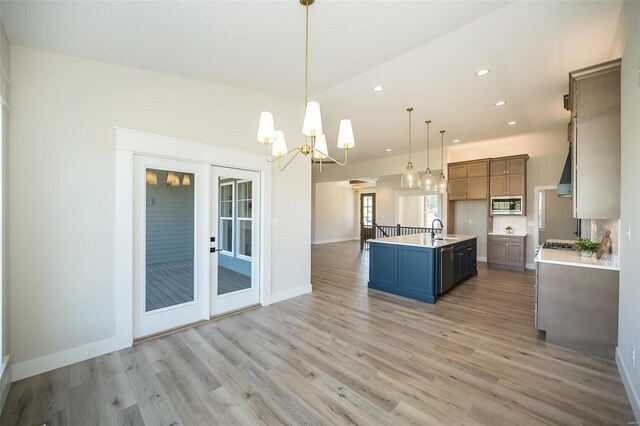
(600, 226)
(518, 223)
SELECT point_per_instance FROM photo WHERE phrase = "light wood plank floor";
(342, 355)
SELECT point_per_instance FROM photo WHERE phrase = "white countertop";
(425, 240)
(504, 234)
(573, 258)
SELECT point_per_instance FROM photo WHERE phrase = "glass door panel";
(234, 260)
(170, 266)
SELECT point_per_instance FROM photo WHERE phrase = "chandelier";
(315, 142)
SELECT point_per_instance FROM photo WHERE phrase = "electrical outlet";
(628, 234)
(633, 356)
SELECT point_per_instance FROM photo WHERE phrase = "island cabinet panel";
(416, 270)
(420, 271)
(383, 262)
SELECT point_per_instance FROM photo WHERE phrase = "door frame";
(130, 143)
(536, 191)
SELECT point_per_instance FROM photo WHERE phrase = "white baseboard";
(288, 294)
(634, 399)
(482, 258)
(5, 381)
(25, 369)
(336, 240)
(531, 266)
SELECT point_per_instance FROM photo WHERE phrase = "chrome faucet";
(433, 232)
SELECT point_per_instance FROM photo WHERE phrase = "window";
(226, 218)
(236, 214)
(431, 209)
(245, 199)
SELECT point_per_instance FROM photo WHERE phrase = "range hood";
(564, 187)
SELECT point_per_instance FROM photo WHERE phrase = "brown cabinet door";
(496, 252)
(515, 165)
(477, 188)
(498, 167)
(498, 185)
(514, 254)
(458, 171)
(477, 169)
(515, 184)
(458, 189)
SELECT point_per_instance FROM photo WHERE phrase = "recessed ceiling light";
(482, 72)
(512, 123)
(378, 89)
(500, 103)
(456, 140)
(388, 149)
(376, 179)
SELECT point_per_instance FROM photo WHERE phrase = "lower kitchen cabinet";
(506, 251)
(577, 307)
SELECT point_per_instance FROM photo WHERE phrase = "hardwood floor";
(342, 355)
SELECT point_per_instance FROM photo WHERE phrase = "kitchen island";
(419, 266)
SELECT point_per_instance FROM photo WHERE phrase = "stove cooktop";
(558, 246)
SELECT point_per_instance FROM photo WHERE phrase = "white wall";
(548, 151)
(629, 316)
(409, 210)
(336, 211)
(62, 171)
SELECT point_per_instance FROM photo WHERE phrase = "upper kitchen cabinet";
(469, 180)
(508, 175)
(594, 97)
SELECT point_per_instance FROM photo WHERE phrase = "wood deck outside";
(171, 283)
(342, 355)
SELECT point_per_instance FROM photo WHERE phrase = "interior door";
(235, 239)
(170, 244)
(367, 217)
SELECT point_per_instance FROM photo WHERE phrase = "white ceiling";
(424, 53)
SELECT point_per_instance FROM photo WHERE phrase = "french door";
(235, 239)
(170, 245)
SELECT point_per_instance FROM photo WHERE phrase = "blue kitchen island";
(420, 266)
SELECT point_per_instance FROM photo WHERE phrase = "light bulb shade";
(429, 182)
(410, 178)
(266, 128)
(186, 180)
(320, 149)
(345, 135)
(312, 125)
(279, 147)
(443, 185)
(152, 177)
(173, 179)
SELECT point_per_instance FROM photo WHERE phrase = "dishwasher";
(446, 269)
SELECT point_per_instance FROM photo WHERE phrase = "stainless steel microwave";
(506, 205)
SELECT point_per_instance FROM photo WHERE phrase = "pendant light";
(410, 178)
(443, 185)
(429, 182)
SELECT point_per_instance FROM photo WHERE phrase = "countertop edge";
(579, 265)
(443, 244)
